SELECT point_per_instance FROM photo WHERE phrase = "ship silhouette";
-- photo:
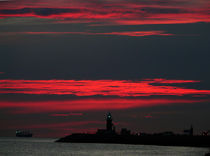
(23, 133)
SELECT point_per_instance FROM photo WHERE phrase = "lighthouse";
(109, 124)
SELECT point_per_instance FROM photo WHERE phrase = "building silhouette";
(189, 131)
(109, 125)
(110, 128)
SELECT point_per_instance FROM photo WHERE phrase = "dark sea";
(47, 147)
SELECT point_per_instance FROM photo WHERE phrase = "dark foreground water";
(45, 147)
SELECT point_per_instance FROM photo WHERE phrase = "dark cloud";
(39, 11)
(164, 10)
(183, 56)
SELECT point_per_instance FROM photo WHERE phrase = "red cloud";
(148, 116)
(111, 12)
(120, 88)
(67, 114)
(25, 107)
(127, 33)
(139, 33)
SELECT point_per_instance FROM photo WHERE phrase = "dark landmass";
(194, 141)
(109, 136)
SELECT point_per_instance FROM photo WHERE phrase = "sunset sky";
(64, 64)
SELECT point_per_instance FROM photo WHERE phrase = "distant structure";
(110, 128)
(205, 133)
(125, 132)
(23, 133)
(109, 124)
(189, 131)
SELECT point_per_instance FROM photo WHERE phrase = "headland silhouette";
(109, 135)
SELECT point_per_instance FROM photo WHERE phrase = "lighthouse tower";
(109, 124)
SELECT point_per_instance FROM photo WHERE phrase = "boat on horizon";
(23, 133)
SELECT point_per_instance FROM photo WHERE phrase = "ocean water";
(45, 147)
